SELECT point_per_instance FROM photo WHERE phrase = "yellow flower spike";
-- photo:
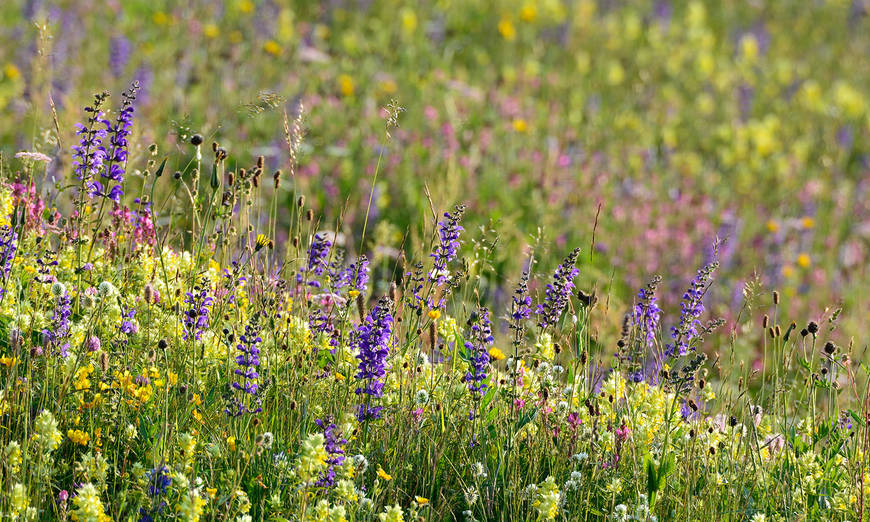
(231, 443)
(384, 475)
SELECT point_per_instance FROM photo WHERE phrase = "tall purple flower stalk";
(8, 248)
(647, 314)
(59, 331)
(691, 309)
(372, 339)
(558, 292)
(334, 446)
(448, 244)
(521, 309)
(248, 362)
(89, 154)
(318, 258)
(196, 317)
(477, 348)
(358, 274)
(115, 155)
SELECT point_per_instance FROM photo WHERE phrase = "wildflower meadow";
(488, 260)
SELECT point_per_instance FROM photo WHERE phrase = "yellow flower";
(11, 71)
(353, 294)
(211, 30)
(79, 437)
(496, 354)
(421, 501)
(506, 29)
(383, 474)
(788, 271)
(212, 492)
(345, 85)
(808, 222)
(160, 18)
(520, 125)
(272, 47)
(804, 260)
(772, 226)
(409, 20)
(528, 13)
(246, 6)
(434, 314)
(231, 443)
(8, 362)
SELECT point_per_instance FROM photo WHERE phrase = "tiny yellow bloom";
(211, 30)
(353, 294)
(528, 13)
(212, 492)
(383, 474)
(346, 85)
(804, 260)
(496, 354)
(506, 29)
(246, 6)
(520, 125)
(160, 18)
(808, 222)
(434, 314)
(421, 501)
(231, 443)
(788, 271)
(272, 47)
(11, 71)
(772, 226)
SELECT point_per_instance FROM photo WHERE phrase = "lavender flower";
(446, 250)
(521, 309)
(89, 154)
(128, 327)
(8, 248)
(196, 317)
(559, 291)
(248, 361)
(119, 54)
(692, 306)
(358, 274)
(477, 349)
(60, 326)
(334, 445)
(372, 338)
(647, 313)
(318, 255)
(116, 154)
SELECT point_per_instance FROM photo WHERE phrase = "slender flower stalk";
(372, 338)
(448, 244)
(692, 307)
(558, 292)
(248, 362)
(195, 318)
